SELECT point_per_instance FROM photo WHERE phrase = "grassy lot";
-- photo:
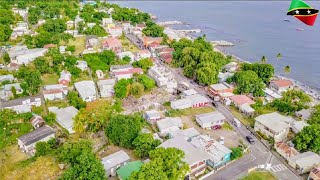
(227, 126)
(259, 176)
(128, 45)
(187, 112)
(59, 103)
(245, 120)
(83, 76)
(50, 79)
(79, 43)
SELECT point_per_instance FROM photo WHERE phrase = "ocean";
(256, 28)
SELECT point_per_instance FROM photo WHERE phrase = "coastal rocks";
(222, 43)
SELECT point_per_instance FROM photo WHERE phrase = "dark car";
(215, 104)
(250, 139)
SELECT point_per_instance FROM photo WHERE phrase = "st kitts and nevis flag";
(303, 12)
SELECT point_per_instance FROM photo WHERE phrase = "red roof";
(112, 42)
(129, 71)
(166, 50)
(64, 82)
(141, 25)
(52, 91)
(283, 83)
(289, 151)
(166, 57)
(241, 99)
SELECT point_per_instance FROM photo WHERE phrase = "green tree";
(6, 16)
(50, 118)
(75, 100)
(6, 58)
(5, 32)
(137, 89)
(263, 59)
(147, 82)
(32, 79)
(279, 56)
(71, 48)
(308, 139)
(122, 88)
(264, 71)
(42, 148)
(144, 64)
(153, 30)
(122, 130)
(96, 30)
(287, 69)
(236, 153)
(42, 65)
(144, 143)
(315, 115)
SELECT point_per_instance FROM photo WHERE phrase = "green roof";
(125, 171)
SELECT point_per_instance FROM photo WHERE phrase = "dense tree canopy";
(315, 115)
(96, 30)
(146, 81)
(164, 164)
(144, 64)
(6, 16)
(122, 130)
(264, 71)
(308, 139)
(122, 88)
(153, 30)
(136, 89)
(144, 143)
(248, 82)
(31, 79)
(5, 32)
(100, 61)
(75, 100)
(42, 65)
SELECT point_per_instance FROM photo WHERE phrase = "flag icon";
(303, 12)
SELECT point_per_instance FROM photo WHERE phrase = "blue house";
(89, 2)
(219, 154)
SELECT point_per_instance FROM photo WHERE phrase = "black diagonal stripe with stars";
(302, 12)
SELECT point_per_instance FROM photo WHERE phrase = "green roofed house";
(125, 171)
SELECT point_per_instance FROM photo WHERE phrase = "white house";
(152, 116)
(8, 77)
(115, 31)
(65, 78)
(273, 125)
(304, 162)
(281, 85)
(22, 105)
(168, 125)
(181, 103)
(246, 109)
(106, 87)
(189, 92)
(83, 65)
(126, 74)
(87, 90)
(62, 49)
(27, 142)
(53, 92)
(64, 116)
(143, 54)
(106, 21)
(211, 119)
(114, 161)
(23, 55)
(270, 95)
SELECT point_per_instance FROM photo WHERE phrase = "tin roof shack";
(304, 114)
(87, 90)
(168, 125)
(304, 162)
(187, 133)
(64, 116)
(285, 150)
(37, 121)
(114, 161)
(211, 119)
(27, 142)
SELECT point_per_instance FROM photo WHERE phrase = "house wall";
(112, 172)
(202, 104)
(209, 124)
(277, 137)
(31, 148)
(182, 106)
(89, 99)
(123, 76)
(53, 96)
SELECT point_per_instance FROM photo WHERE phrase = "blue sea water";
(256, 28)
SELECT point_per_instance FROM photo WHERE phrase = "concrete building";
(91, 41)
(87, 90)
(22, 105)
(181, 104)
(188, 134)
(164, 78)
(83, 65)
(271, 95)
(115, 31)
(64, 116)
(55, 91)
(285, 150)
(281, 85)
(273, 125)
(304, 162)
(114, 161)
(106, 87)
(27, 142)
(168, 125)
(23, 55)
(211, 119)
(126, 74)
(152, 116)
(112, 44)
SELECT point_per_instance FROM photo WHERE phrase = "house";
(198, 100)
(65, 78)
(87, 90)
(246, 109)
(164, 78)
(304, 162)
(143, 54)
(21, 29)
(153, 46)
(100, 74)
(8, 77)
(37, 121)
(152, 116)
(136, 32)
(126, 74)
(115, 31)
(125, 171)
(23, 55)
(141, 26)
(83, 65)
(106, 87)
(129, 54)
(273, 125)
(13, 66)
(188, 92)
(21, 12)
(303, 114)
(218, 153)
(220, 91)
(194, 157)
(183, 103)
(168, 125)
(22, 105)
(224, 76)
(9, 87)
(64, 116)
(314, 173)
(126, 25)
(114, 161)
(91, 41)
(149, 40)
(211, 119)
(281, 85)
(167, 58)
(27, 142)
(297, 126)
(106, 21)
(271, 95)
(113, 44)
(55, 91)
(187, 133)
(120, 68)
(231, 67)
(239, 100)
(285, 150)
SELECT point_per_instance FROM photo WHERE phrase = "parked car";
(250, 139)
(215, 104)
(216, 127)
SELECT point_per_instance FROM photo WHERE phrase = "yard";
(58, 103)
(259, 176)
(50, 79)
(82, 77)
(127, 45)
(245, 120)
(79, 43)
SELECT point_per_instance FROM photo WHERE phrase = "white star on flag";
(309, 11)
(297, 12)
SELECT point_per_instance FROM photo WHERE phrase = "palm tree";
(287, 69)
(263, 59)
(279, 56)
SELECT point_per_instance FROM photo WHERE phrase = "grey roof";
(106, 82)
(210, 117)
(169, 122)
(306, 159)
(36, 135)
(197, 98)
(117, 67)
(86, 88)
(192, 154)
(114, 159)
(297, 126)
(8, 77)
(219, 86)
(189, 92)
(188, 133)
(304, 113)
(8, 87)
(152, 114)
(274, 121)
(246, 108)
(53, 86)
(65, 116)
(19, 101)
